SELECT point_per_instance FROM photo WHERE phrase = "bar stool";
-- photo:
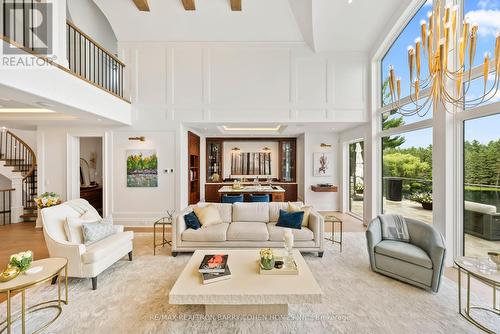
(259, 198)
(231, 198)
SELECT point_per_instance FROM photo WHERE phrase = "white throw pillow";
(73, 227)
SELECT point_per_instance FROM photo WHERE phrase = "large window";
(481, 185)
(407, 174)
(396, 55)
(356, 178)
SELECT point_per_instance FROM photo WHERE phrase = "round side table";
(467, 266)
(52, 270)
(163, 222)
(334, 220)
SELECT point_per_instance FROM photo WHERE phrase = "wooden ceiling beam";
(142, 5)
(189, 4)
(236, 5)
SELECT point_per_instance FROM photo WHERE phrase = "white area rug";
(132, 297)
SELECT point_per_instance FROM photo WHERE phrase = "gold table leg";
(9, 320)
(23, 310)
(66, 280)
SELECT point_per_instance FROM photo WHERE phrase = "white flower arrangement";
(47, 199)
(267, 254)
(21, 260)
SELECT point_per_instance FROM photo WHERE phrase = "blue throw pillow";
(290, 219)
(192, 221)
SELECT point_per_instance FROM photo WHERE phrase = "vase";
(288, 244)
(267, 264)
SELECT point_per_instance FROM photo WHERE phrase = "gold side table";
(334, 220)
(52, 269)
(163, 222)
(467, 266)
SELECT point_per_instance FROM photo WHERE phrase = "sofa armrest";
(118, 228)
(178, 227)
(373, 237)
(317, 226)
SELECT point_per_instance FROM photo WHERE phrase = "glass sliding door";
(356, 178)
(481, 159)
(407, 174)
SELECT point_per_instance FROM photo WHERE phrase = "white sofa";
(83, 261)
(247, 225)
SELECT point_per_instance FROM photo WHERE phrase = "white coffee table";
(247, 292)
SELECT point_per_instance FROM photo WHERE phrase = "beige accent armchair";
(84, 261)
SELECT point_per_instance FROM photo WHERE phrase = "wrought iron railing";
(87, 59)
(17, 154)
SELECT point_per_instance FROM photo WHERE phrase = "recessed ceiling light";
(99, 120)
(45, 104)
(227, 128)
(349, 2)
(25, 110)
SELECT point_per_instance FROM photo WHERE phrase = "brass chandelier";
(444, 82)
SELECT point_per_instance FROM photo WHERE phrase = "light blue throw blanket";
(394, 227)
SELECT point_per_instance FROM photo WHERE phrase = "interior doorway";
(91, 171)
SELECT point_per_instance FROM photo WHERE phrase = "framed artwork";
(142, 168)
(322, 164)
(250, 163)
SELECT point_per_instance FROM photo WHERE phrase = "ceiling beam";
(142, 5)
(236, 5)
(188, 4)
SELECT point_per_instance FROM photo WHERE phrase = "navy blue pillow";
(290, 219)
(192, 221)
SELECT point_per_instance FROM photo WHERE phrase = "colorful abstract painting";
(142, 168)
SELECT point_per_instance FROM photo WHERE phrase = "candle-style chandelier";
(444, 82)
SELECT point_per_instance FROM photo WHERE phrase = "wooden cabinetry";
(215, 160)
(94, 196)
(193, 168)
(212, 191)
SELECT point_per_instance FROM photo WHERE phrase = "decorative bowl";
(9, 273)
(495, 257)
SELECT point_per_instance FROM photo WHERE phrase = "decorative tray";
(283, 271)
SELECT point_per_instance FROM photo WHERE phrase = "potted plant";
(267, 259)
(359, 188)
(22, 260)
(45, 200)
(425, 199)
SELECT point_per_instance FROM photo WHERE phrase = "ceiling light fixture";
(227, 128)
(26, 110)
(447, 80)
(349, 2)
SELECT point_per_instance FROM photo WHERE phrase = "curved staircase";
(20, 158)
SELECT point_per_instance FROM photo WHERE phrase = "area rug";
(132, 297)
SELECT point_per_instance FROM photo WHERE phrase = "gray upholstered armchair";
(419, 262)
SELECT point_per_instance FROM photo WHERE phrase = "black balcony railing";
(86, 58)
(92, 62)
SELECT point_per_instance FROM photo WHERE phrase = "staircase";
(16, 154)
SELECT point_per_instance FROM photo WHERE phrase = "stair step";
(29, 215)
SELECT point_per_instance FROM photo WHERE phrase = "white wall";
(5, 182)
(242, 82)
(89, 145)
(251, 146)
(321, 200)
(88, 17)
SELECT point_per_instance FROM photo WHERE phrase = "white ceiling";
(326, 25)
(287, 129)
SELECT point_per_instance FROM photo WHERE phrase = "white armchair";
(83, 261)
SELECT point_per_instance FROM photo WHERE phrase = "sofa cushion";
(276, 233)
(290, 219)
(247, 231)
(225, 210)
(102, 248)
(93, 232)
(251, 212)
(210, 233)
(275, 207)
(404, 251)
(192, 221)
(208, 215)
(296, 208)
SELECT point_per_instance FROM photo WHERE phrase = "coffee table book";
(213, 263)
(215, 277)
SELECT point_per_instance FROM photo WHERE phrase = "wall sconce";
(323, 145)
(235, 149)
(266, 149)
(141, 138)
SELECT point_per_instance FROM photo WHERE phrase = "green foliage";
(405, 165)
(482, 162)
(422, 197)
